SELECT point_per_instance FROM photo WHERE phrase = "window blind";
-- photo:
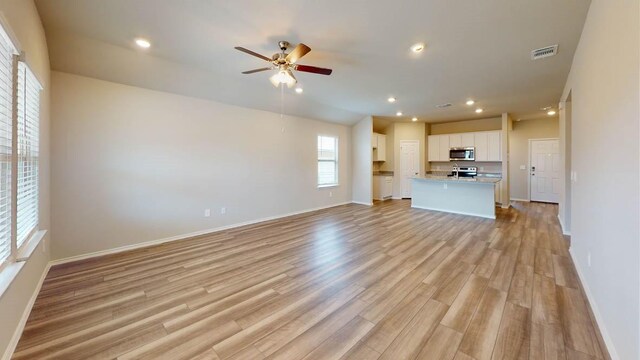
(28, 152)
(7, 50)
(327, 160)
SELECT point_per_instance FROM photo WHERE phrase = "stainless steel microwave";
(462, 154)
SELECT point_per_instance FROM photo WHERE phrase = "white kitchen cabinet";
(380, 152)
(494, 146)
(488, 145)
(455, 140)
(443, 147)
(382, 187)
(467, 140)
(481, 141)
(433, 152)
(374, 140)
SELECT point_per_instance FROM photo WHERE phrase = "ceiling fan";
(285, 63)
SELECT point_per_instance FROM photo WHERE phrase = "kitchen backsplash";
(482, 167)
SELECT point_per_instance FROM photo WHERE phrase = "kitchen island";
(466, 196)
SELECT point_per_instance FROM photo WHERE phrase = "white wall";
(362, 161)
(605, 208)
(23, 20)
(132, 165)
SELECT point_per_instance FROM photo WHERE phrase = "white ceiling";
(475, 49)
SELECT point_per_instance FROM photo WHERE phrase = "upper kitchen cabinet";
(481, 140)
(379, 144)
(486, 143)
(495, 144)
(433, 148)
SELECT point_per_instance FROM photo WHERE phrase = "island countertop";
(478, 179)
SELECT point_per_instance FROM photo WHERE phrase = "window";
(28, 136)
(7, 52)
(19, 143)
(327, 161)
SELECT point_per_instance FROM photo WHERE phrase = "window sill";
(328, 186)
(11, 271)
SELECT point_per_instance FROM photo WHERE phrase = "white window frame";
(10, 267)
(336, 161)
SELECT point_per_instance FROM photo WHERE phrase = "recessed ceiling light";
(391, 99)
(416, 48)
(145, 44)
(551, 112)
(478, 110)
(299, 90)
(399, 113)
(414, 119)
(470, 102)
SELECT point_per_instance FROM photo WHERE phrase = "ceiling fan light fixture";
(283, 77)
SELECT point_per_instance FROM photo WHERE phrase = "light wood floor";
(351, 282)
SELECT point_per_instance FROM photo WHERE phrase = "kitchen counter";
(478, 179)
(466, 196)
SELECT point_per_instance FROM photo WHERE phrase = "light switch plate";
(523, 167)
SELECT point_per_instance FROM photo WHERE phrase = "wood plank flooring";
(350, 282)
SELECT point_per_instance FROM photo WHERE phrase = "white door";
(545, 170)
(409, 165)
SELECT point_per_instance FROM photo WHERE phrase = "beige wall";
(465, 126)
(362, 185)
(23, 20)
(132, 165)
(605, 155)
(519, 150)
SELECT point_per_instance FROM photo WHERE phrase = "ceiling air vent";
(442, 106)
(544, 52)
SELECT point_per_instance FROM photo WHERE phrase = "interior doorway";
(409, 165)
(544, 170)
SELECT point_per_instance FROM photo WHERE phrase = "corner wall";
(604, 84)
(133, 165)
(362, 185)
(24, 21)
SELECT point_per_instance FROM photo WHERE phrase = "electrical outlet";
(481, 168)
(207, 212)
(589, 259)
(444, 186)
(523, 167)
(223, 210)
(330, 193)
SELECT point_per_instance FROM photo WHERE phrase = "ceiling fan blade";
(247, 51)
(314, 69)
(256, 70)
(300, 51)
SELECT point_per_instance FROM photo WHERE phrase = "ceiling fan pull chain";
(281, 101)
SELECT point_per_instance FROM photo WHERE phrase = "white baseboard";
(362, 203)
(25, 316)
(185, 236)
(596, 313)
(505, 206)
(396, 198)
(517, 199)
(564, 230)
